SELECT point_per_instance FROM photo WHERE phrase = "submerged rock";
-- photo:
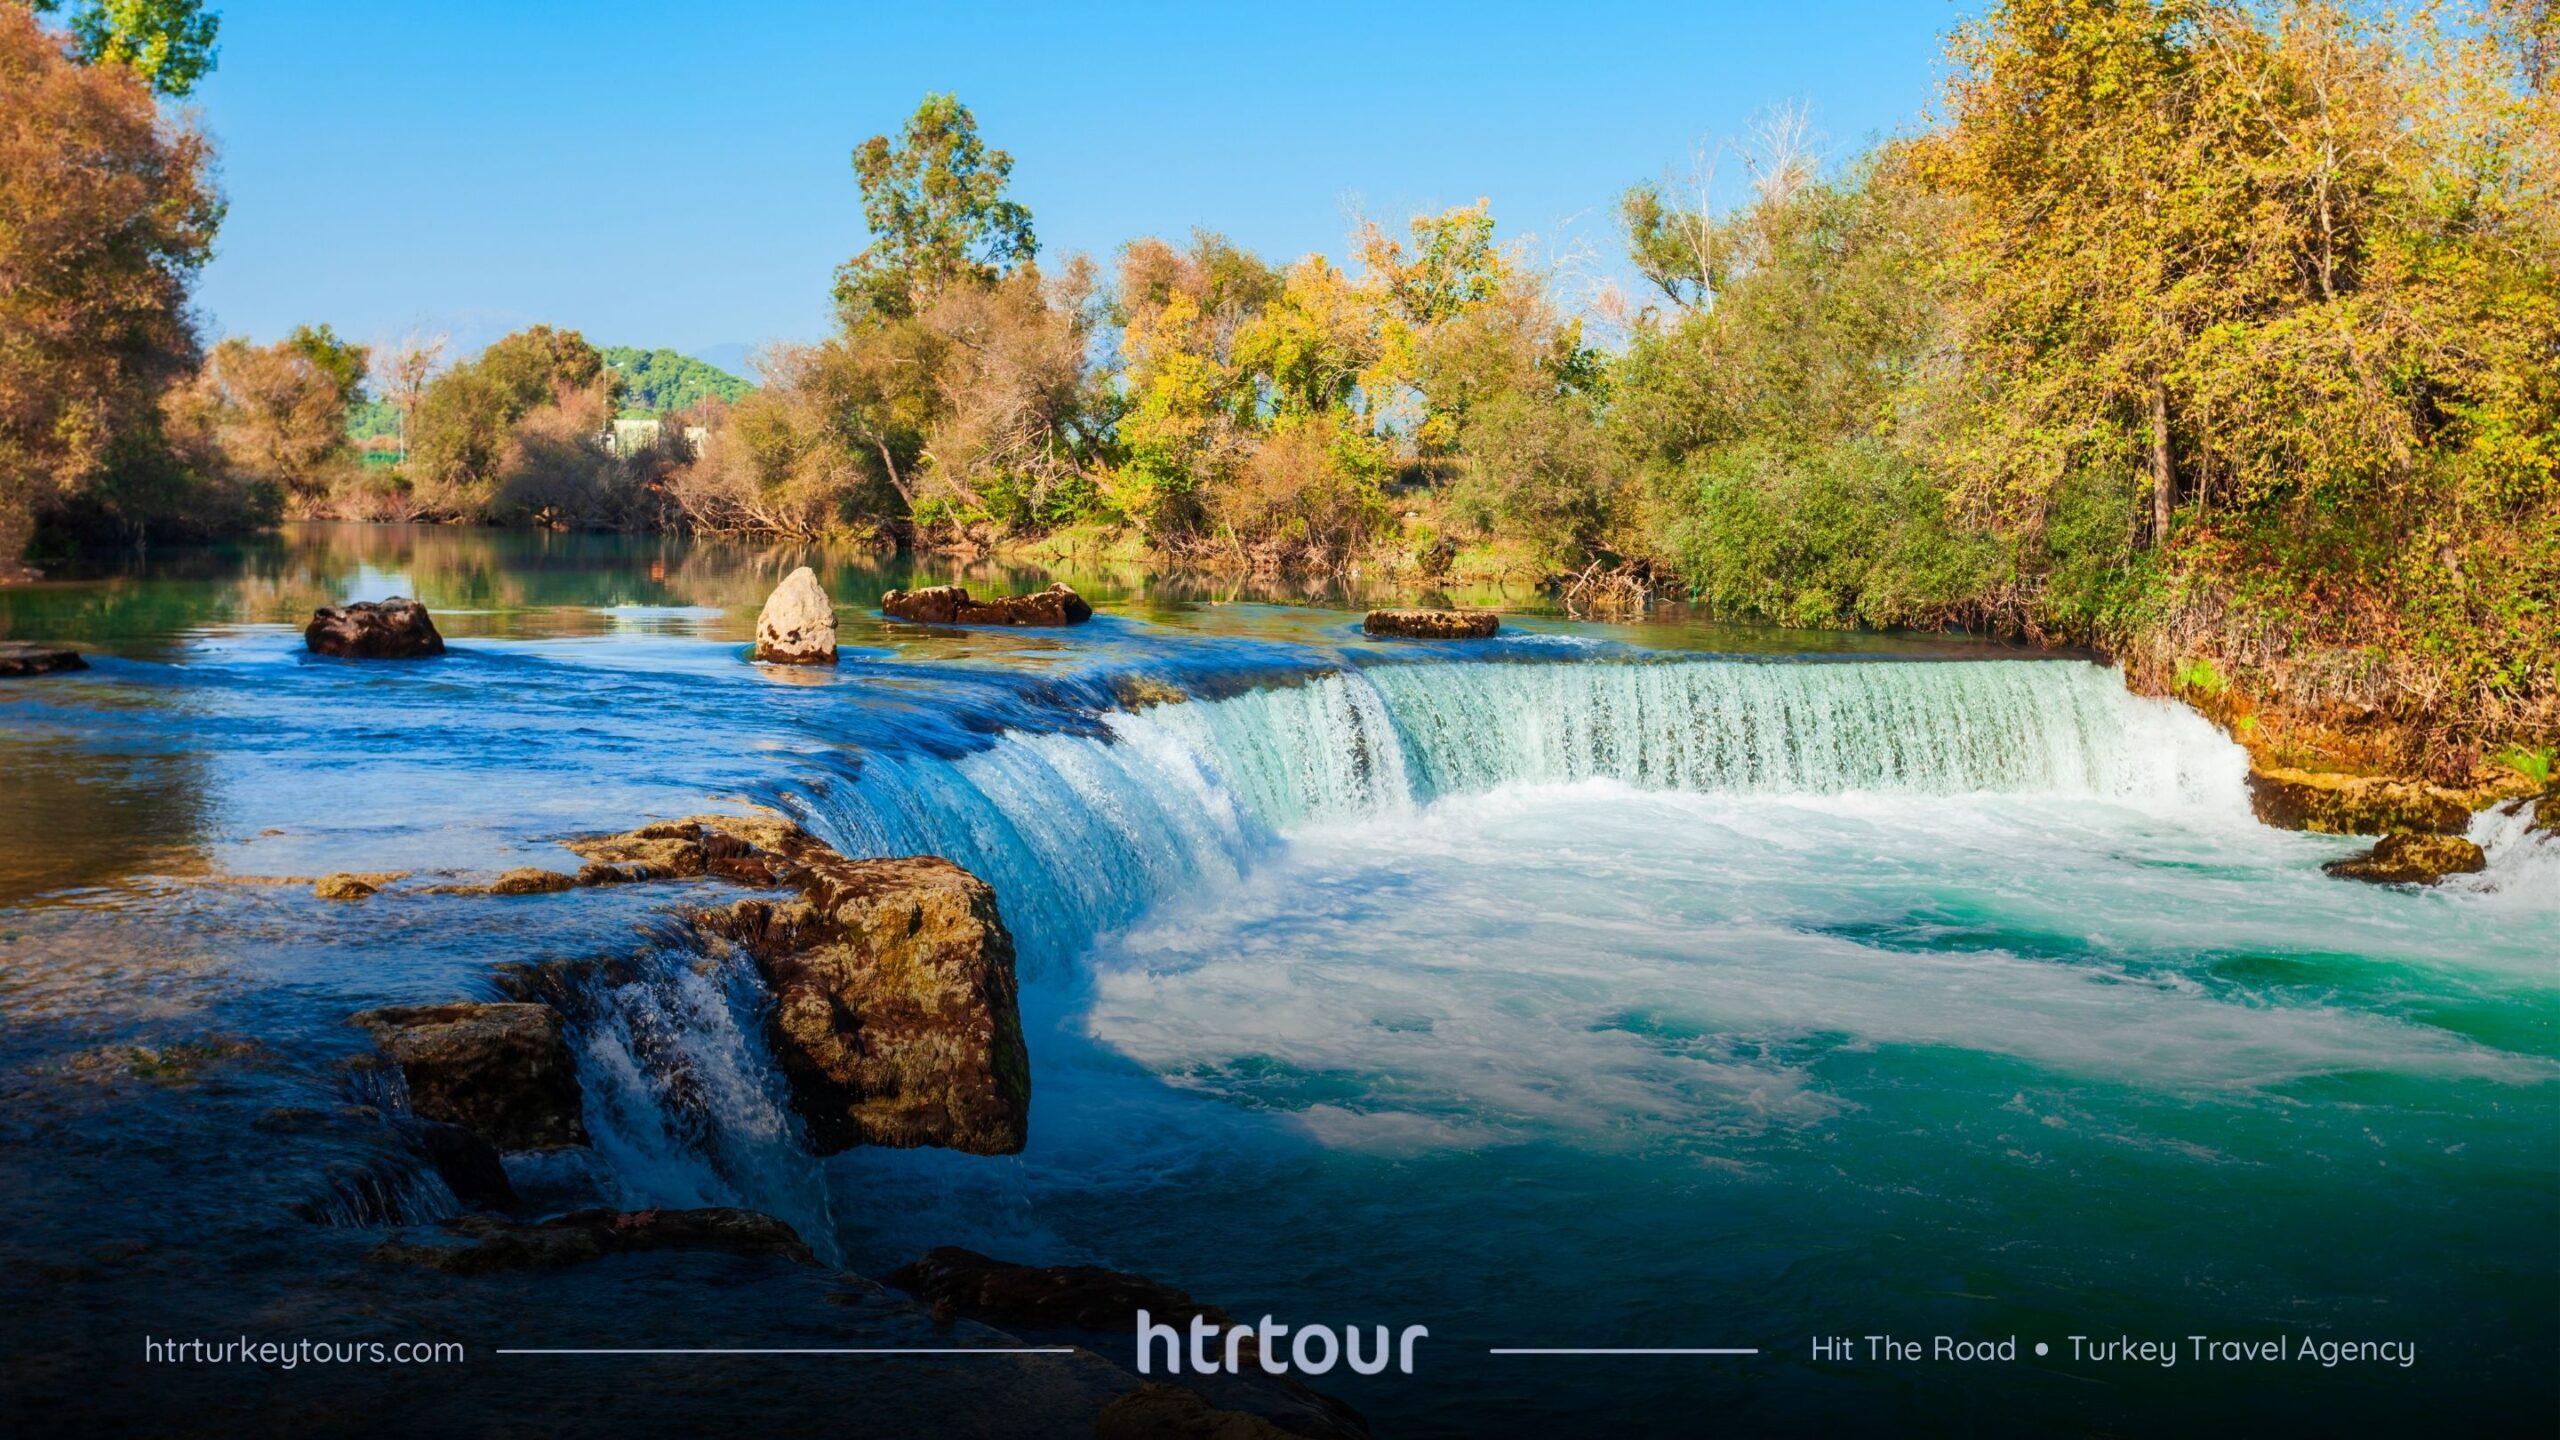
(18, 657)
(951, 605)
(1433, 624)
(1048, 1297)
(798, 625)
(2334, 804)
(495, 1244)
(531, 880)
(502, 1071)
(2412, 860)
(354, 885)
(393, 629)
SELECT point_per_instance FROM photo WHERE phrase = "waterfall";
(1080, 826)
(1080, 832)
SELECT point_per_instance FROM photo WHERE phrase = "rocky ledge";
(2334, 804)
(951, 605)
(18, 657)
(501, 1071)
(393, 629)
(896, 1015)
(2412, 859)
(1433, 624)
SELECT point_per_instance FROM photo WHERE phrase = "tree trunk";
(2164, 476)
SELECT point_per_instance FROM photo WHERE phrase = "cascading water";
(1078, 834)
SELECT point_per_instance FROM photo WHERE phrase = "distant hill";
(661, 380)
(734, 357)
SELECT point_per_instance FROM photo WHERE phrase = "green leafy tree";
(169, 43)
(938, 213)
(343, 362)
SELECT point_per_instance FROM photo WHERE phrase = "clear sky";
(662, 174)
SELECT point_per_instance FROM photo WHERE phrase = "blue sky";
(678, 174)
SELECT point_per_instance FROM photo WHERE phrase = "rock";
(393, 629)
(584, 1235)
(500, 1070)
(531, 880)
(1433, 624)
(1169, 1412)
(1045, 1297)
(2354, 804)
(1038, 1300)
(2412, 860)
(896, 1012)
(798, 626)
(18, 657)
(746, 849)
(469, 1165)
(354, 885)
(951, 605)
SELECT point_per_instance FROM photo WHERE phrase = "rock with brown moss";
(503, 1071)
(395, 629)
(2412, 860)
(896, 1009)
(19, 657)
(2355, 804)
(531, 880)
(745, 849)
(1433, 624)
(951, 605)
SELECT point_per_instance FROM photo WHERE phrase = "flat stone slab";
(21, 657)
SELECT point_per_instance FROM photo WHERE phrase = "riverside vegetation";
(2220, 337)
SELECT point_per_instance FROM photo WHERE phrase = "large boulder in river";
(798, 626)
(18, 657)
(951, 605)
(393, 629)
(896, 1009)
(502, 1071)
(1433, 624)
(2412, 860)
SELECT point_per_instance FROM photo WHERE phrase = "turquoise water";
(1678, 987)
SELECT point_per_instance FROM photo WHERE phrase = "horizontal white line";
(1621, 1352)
(956, 1350)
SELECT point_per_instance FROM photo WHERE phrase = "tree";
(277, 414)
(169, 43)
(401, 371)
(938, 213)
(344, 363)
(466, 417)
(110, 210)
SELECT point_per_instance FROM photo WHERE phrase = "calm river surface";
(1657, 986)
